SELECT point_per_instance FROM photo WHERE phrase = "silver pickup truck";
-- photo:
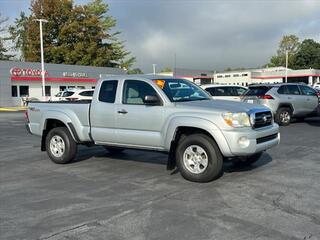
(157, 113)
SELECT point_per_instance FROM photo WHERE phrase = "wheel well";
(182, 132)
(49, 124)
(286, 105)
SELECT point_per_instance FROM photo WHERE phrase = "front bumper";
(244, 142)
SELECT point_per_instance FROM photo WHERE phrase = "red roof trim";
(53, 79)
(301, 75)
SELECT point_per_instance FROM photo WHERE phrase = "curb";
(12, 109)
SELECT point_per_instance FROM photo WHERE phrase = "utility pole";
(287, 66)
(42, 56)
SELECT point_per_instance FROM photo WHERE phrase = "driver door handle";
(122, 111)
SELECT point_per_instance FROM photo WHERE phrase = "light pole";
(287, 66)
(154, 68)
(42, 58)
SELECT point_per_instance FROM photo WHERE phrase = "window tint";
(257, 91)
(14, 91)
(67, 94)
(293, 90)
(86, 93)
(283, 90)
(239, 91)
(135, 91)
(224, 91)
(308, 91)
(108, 91)
(211, 90)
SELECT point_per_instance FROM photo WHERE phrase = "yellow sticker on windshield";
(160, 83)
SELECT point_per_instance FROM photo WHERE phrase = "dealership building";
(19, 80)
(267, 75)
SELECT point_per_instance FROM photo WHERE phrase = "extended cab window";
(108, 91)
(134, 92)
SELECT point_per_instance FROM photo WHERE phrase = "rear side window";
(293, 90)
(283, 90)
(239, 91)
(257, 91)
(108, 91)
(224, 91)
(211, 91)
(67, 94)
(86, 93)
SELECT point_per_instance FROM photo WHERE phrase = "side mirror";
(151, 100)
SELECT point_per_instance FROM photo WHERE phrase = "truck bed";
(76, 112)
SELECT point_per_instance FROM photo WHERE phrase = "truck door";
(103, 111)
(137, 123)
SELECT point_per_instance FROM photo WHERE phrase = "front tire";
(198, 158)
(283, 116)
(60, 146)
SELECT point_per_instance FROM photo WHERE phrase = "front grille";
(262, 119)
(267, 138)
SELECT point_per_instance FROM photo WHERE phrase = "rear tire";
(114, 150)
(60, 146)
(198, 158)
(283, 116)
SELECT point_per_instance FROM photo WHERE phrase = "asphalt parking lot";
(132, 196)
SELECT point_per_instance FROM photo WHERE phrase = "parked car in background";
(80, 94)
(316, 85)
(285, 100)
(227, 92)
(73, 94)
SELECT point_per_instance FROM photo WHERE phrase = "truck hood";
(222, 106)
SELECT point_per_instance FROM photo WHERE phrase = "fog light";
(243, 142)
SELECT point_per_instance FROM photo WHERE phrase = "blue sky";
(203, 34)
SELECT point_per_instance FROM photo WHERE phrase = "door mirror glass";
(151, 100)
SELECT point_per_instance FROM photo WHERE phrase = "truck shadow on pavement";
(86, 153)
(229, 167)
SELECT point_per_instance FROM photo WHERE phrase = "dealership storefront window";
(24, 91)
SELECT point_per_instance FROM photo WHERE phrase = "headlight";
(237, 120)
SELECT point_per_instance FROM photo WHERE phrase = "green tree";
(135, 71)
(74, 34)
(308, 55)
(288, 43)
(166, 69)
(3, 29)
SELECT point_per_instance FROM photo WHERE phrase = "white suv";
(225, 92)
(73, 95)
(316, 85)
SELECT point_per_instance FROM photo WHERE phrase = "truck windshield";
(180, 90)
